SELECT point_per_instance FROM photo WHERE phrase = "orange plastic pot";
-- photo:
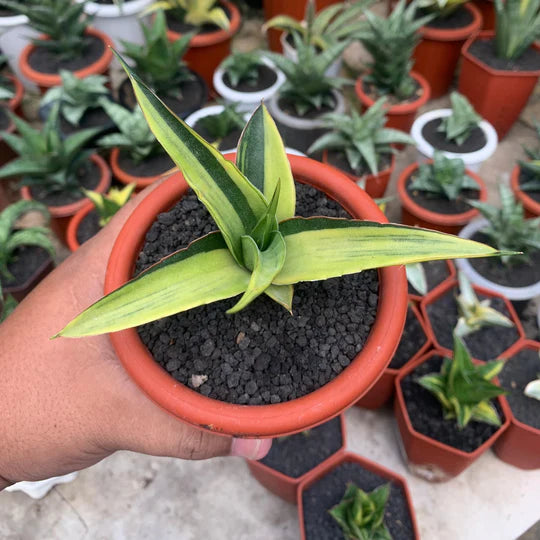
(262, 420)
(451, 276)
(375, 184)
(487, 10)
(383, 390)
(437, 55)
(207, 51)
(16, 101)
(399, 116)
(285, 486)
(427, 457)
(61, 215)
(48, 80)
(531, 207)
(415, 215)
(364, 463)
(73, 226)
(519, 445)
(498, 96)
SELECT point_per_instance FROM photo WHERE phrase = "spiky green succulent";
(459, 125)
(221, 124)
(194, 12)
(108, 204)
(242, 67)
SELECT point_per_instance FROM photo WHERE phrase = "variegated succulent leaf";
(460, 124)
(108, 204)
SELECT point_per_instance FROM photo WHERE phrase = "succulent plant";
(194, 12)
(242, 67)
(221, 124)
(107, 204)
(464, 389)
(362, 137)
(442, 8)
(260, 247)
(533, 183)
(416, 276)
(361, 515)
(459, 125)
(7, 306)
(532, 389)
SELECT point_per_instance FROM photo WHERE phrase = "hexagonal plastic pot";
(531, 207)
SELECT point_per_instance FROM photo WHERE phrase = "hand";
(66, 404)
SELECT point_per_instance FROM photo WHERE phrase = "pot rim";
(13, 20)
(526, 200)
(262, 420)
(15, 102)
(130, 8)
(454, 34)
(73, 226)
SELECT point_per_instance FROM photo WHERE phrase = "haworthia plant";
(460, 124)
(195, 12)
(260, 246)
(107, 204)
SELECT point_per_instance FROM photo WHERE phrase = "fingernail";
(250, 448)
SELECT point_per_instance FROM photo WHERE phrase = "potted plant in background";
(458, 132)
(500, 70)
(247, 79)
(11, 89)
(437, 54)
(436, 194)
(361, 147)
(391, 42)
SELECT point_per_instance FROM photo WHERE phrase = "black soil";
(4, 119)
(266, 77)
(441, 205)
(153, 165)
(436, 272)
(519, 274)
(262, 354)
(519, 371)
(484, 50)
(324, 494)
(180, 27)
(485, 344)
(45, 61)
(88, 175)
(296, 455)
(228, 142)
(27, 259)
(527, 176)
(339, 160)
(474, 142)
(88, 227)
(426, 413)
(460, 18)
(92, 118)
(412, 340)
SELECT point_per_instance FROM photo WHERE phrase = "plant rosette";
(427, 457)
(497, 89)
(530, 202)
(249, 98)
(484, 279)
(437, 274)
(437, 55)
(62, 213)
(478, 147)
(46, 80)
(324, 488)
(413, 213)
(399, 116)
(292, 459)
(440, 312)
(519, 445)
(210, 46)
(414, 343)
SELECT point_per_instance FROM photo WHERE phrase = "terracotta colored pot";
(519, 445)
(383, 390)
(20, 291)
(427, 457)
(375, 183)
(531, 207)
(73, 226)
(437, 55)
(285, 486)
(498, 96)
(399, 116)
(364, 463)
(61, 215)
(434, 295)
(487, 10)
(207, 51)
(415, 215)
(263, 420)
(6, 155)
(48, 80)
(16, 101)
(417, 298)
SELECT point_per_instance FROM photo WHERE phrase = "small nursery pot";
(417, 298)
(519, 445)
(498, 95)
(531, 207)
(400, 116)
(375, 184)
(263, 420)
(285, 486)
(20, 291)
(48, 80)
(73, 226)
(414, 214)
(426, 149)
(437, 55)
(339, 459)
(207, 51)
(61, 215)
(431, 459)
(247, 101)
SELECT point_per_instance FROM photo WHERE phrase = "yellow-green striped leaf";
(282, 294)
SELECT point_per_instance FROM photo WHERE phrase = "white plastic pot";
(248, 101)
(38, 490)
(473, 160)
(512, 293)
